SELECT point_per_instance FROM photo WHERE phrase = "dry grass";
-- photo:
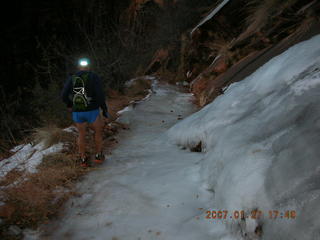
(11, 177)
(261, 12)
(40, 196)
(57, 160)
(35, 198)
(311, 17)
(220, 46)
(51, 135)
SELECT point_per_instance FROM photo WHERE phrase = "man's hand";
(105, 114)
(106, 117)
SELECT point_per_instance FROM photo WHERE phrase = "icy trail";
(261, 151)
(148, 189)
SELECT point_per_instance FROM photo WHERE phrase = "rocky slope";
(233, 39)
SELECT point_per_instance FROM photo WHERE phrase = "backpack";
(80, 99)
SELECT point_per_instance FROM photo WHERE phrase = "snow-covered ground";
(27, 157)
(260, 151)
(261, 141)
(148, 188)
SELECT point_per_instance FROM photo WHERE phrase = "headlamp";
(84, 62)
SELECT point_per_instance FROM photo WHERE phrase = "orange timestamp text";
(254, 214)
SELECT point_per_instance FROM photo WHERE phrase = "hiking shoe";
(84, 162)
(99, 158)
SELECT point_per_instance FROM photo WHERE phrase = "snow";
(71, 129)
(261, 144)
(27, 158)
(215, 60)
(148, 187)
(210, 15)
(131, 81)
(17, 148)
(126, 109)
(129, 84)
(260, 151)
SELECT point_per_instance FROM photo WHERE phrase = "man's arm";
(101, 99)
(66, 92)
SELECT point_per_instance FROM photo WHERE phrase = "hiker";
(83, 94)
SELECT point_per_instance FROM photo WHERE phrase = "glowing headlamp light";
(84, 62)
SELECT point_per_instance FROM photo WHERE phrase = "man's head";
(83, 64)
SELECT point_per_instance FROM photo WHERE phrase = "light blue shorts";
(88, 116)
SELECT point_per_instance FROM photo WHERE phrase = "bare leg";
(82, 138)
(97, 127)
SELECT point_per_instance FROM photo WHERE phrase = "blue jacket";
(94, 90)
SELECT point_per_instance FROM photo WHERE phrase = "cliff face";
(233, 39)
(242, 49)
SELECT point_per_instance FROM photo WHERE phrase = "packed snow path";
(148, 188)
(260, 143)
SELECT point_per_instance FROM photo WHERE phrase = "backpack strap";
(84, 76)
(79, 81)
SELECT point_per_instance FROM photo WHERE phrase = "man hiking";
(83, 94)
